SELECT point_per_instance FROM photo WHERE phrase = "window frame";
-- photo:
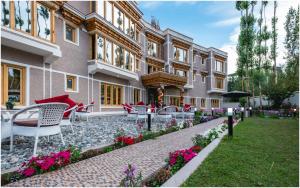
(193, 101)
(4, 84)
(203, 103)
(136, 95)
(213, 103)
(112, 86)
(216, 82)
(75, 33)
(75, 83)
(203, 79)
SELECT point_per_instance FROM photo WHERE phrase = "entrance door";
(152, 95)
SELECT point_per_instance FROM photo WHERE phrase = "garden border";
(186, 171)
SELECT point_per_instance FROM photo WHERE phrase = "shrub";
(196, 149)
(159, 178)
(179, 158)
(200, 140)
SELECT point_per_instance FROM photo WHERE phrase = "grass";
(263, 152)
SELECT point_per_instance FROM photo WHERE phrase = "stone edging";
(184, 173)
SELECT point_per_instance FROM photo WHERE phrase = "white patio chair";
(69, 121)
(86, 112)
(190, 114)
(165, 113)
(131, 112)
(141, 111)
(48, 122)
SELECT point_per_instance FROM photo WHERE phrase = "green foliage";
(178, 165)
(200, 140)
(243, 101)
(159, 178)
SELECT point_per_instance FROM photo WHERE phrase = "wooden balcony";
(159, 78)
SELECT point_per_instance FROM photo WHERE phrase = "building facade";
(103, 51)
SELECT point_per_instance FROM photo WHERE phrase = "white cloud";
(227, 22)
(282, 9)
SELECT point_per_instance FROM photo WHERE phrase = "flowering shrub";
(172, 123)
(196, 149)
(41, 164)
(131, 180)
(179, 158)
(127, 140)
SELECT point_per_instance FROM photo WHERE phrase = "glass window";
(43, 22)
(100, 10)
(180, 54)
(203, 60)
(152, 49)
(108, 51)
(100, 44)
(118, 56)
(127, 60)
(136, 95)
(215, 103)
(5, 13)
(175, 101)
(219, 66)
(118, 18)
(13, 83)
(193, 101)
(111, 94)
(126, 25)
(70, 33)
(202, 103)
(194, 75)
(23, 16)
(132, 30)
(180, 73)
(203, 79)
(71, 83)
(131, 61)
(108, 14)
(219, 83)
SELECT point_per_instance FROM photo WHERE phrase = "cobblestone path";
(107, 169)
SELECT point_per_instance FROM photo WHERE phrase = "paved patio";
(107, 169)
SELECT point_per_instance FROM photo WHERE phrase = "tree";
(274, 42)
(292, 46)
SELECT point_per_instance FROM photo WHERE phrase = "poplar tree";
(274, 36)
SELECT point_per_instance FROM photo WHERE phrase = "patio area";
(96, 132)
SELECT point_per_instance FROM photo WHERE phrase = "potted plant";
(10, 104)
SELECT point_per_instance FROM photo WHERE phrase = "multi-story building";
(103, 51)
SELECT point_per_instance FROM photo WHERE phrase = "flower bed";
(54, 161)
(179, 158)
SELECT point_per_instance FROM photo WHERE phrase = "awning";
(236, 94)
(159, 78)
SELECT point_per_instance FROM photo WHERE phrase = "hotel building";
(103, 51)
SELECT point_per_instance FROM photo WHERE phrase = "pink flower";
(29, 171)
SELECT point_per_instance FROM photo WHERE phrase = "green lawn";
(263, 152)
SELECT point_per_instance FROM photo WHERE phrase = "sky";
(213, 23)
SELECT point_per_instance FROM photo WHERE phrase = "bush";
(179, 158)
(200, 140)
(159, 178)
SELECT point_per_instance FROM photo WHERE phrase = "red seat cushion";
(71, 104)
(26, 122)
(80, 107)
(141, 103)
(187, 108)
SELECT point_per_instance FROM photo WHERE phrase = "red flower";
(196, 149)
(29, 171)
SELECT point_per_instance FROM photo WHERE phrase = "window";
(202, 103)
(219, 83)
(203, 60)
(136, 95)
(108, 13)
(203, 78)
(23, 15)
(215, 103)
(100, 6)
(152, 68)
(71, 83)
(43, 22)
(137, 65)
(118, 18)
(111, 94)
(219, 66)
(180, 54)
(180, 73)
(5, 13)
(194, 75)
(152, 49)
(175, 101)
(100, 45)
(132, 30)
(71, 33)
(13, 83)
(193, 102)
(108, 52)
(127, 60)
(26, 15)
(126, 25)
(119, 56)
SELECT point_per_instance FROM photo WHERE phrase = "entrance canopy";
(236, 94)
(156, 79)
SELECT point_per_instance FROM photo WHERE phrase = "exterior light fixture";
(229, 112)
(230, 122)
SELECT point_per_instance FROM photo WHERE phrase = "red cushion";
(71, 104)
(152, 108)
(141, 103)
(187, 107)
(80, 107)
(60, 98)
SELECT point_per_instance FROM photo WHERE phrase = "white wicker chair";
(86, 112)
(69, 121)
(141, 112)
(48, 122)
(165, 113)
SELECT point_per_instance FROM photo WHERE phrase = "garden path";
(107, 169)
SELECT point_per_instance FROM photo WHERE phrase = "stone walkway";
(107, 169)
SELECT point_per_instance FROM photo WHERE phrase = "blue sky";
(198, 20)
(213, 23)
